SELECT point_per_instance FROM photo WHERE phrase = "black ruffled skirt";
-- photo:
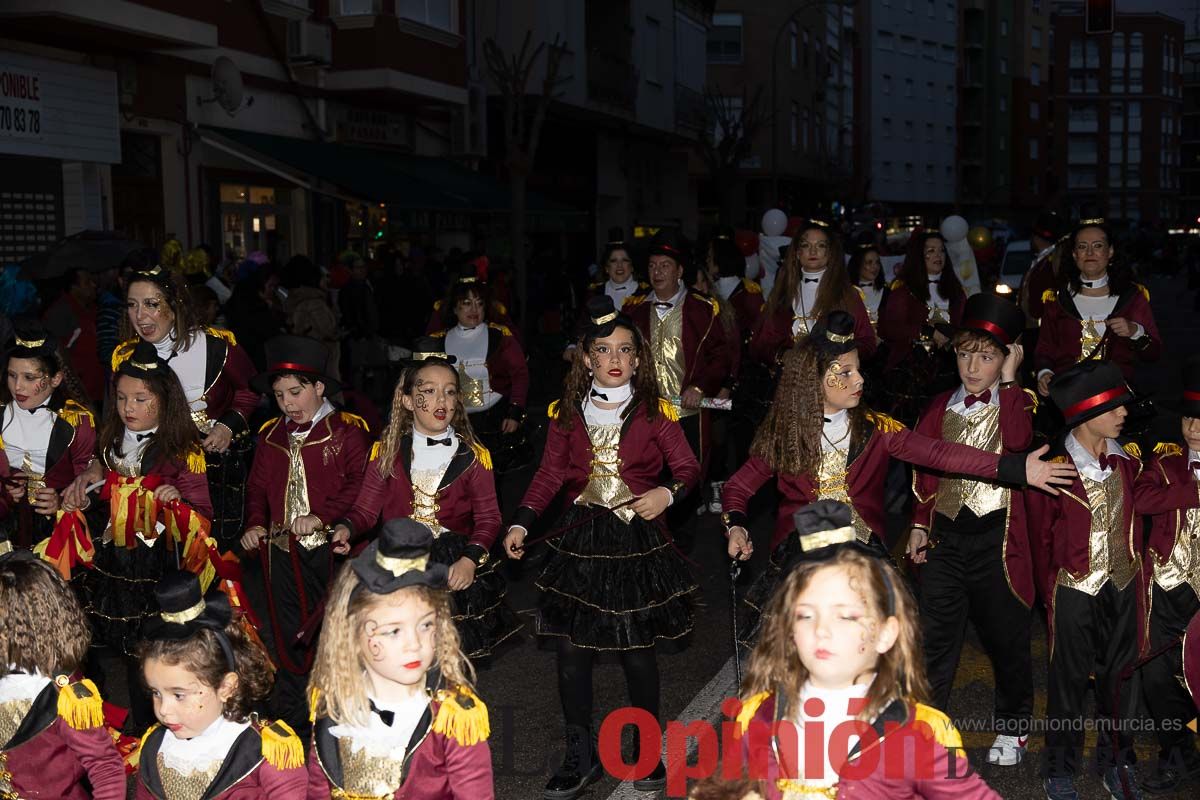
(118, 592)
(612, 585)
(227, 487)
(482, 616)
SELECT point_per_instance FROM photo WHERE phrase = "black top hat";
(1089, 389)
(467, 272)
(601, 311)
(156, 274)
(824, 529)
(31, 340)
(143, 362)
(399, 557)
(834, 333)
(1048, 226)
(999, 318)
(297, 354)
(1187, 402)
(428, 347)
(669, 243)
(184, 610)
(616, 237)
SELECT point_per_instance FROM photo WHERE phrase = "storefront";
(58, 137)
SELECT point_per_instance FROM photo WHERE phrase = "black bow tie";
(387, 717)
(600, 395)
(431, 442)
(812, 280)
(1089, 284)
(661, 304)
(935, 280)
(143, 436)
(866, 284)
(1108, 461)
(983, 397)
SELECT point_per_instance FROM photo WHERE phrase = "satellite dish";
(228, 91)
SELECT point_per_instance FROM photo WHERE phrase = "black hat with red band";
(669, 243)
(297, 355)
(1089, 389)
(999, 318)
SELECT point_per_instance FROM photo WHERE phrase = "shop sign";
(20, 104)
(373, 127)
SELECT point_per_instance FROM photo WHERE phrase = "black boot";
(1182, 768)
(657, 778)
(579, 768)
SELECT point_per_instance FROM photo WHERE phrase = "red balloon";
(746, 241)
(794, 225)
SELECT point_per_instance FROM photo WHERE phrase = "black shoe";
(1173, 774)
(579, 768)
(656, 780)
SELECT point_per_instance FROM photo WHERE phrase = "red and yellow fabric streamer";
(70, 544)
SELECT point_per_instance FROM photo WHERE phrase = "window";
(1004, 66)
(908, 130)
(804, 130)
(929, 131)
(887, 84)
(1035, 111)
(1079, 177)
(949, 134)
(1135, 50)
(887, 42)
(1116, 175)
(1035, 74)
(951, 12)
(1003, 104)
(1133, 148)
(1083, 119)
(1033, 148)
(908, 87)
(1133, 178)
(731, 110)
(908, 171)
(929, 90)
(1116, 117)
(931, 12)
(352, 8)
(949, 174)
(1115, 144)
(1135, 80)
(887, 169)
(650, 51)
(805, 48)
(908, 45)
(1004, 27)
(1081, 149)
(1118, 62)
(1035, 38)
(929, 173)
(1135, 116)
(887, 127)
(950, 94)
(795, 124)
(435, 13)
(725, 39)
(794, 44)
(1077, 53)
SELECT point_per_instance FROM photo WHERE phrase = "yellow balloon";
(979, 237)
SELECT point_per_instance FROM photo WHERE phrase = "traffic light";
(1098, 16)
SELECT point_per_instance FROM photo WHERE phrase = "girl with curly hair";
(819, 443)
(840, 652)
(394, 710)
(207, 672)
(428, 465)
(614, 580)
(47, 434)
(53, 742)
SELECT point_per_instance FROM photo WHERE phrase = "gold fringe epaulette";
(122, 352)
(1168, 449)
(437, 305)
(667, 410)
(74, 414)
(1049, 296)
(884, 423)
(861, 294)
(461, 716)
(281, 747)
(749, 709)
(751, 286)
(716, 309)
(897, 284)
(438, 334)
(374, 452)
(1133, 449)
(634, 300)
(1033, 400)
(482, 455)
(504, 329)
(552, 410)
(940, 726)
(222, 333)
(1145, 292)
(268, 423)
(79, 703)
(314, 699)
(503, 309)
(354, 419)
(195, 461)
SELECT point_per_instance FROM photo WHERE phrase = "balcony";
(690, 112)
(611, 80)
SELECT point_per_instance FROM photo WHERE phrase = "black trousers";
(282, 614)
(1092, 635)
(1169, 703)
(963, 580)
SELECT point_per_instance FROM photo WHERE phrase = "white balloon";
(954, 229)
(774, 223)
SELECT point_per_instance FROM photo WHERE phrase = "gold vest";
(425, 508)
(1183, 564)
(605, 487)
(185, 786)
(367, 776)
(472, 388)
(980, 430)
(1109, 544)
(666, 341)
(12, 714)
(1089, 339)
(832, 485)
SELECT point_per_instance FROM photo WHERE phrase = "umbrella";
(94, 251)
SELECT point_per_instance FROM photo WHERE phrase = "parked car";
(1018, 257)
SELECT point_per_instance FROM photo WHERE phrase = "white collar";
(197, 754)
(837, 418)
(960, 395)
(628, 285)
(810, 275)
(22, 685)
(421, 439)
(615, 394)
(379, 739)
(1085, 461)
(132, 436)
(727, 285)
(324, 411)
(468, 331)
(1098, 283)
(675, 298)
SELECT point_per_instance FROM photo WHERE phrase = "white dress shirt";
(25, 433)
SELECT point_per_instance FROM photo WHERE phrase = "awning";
(375, 175)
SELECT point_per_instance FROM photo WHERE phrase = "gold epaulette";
(643, 286)
(861, 294)
(1132, 449)
(354, 419)
(268, 423)
(146, 735)
(461, 716)
(482, 455)
(1168, 449)
(222, 333)
(438, 334)
(1058, 460)
(884, 423)
(1145, 292)
(374, 452)
(749, 709)
(896, 284)
(595, 287)
(634, 300)
(1033, 400)
(314, 700)
(74, 413)
(552, 410)
(122, 352)
(281, 747)
(943, 730)
(667, 409)
(79, 703)
(751, 286)
(716, 309)
(1049, 296)
(503, 309)
(437, 305)
(502, 328)
(195, 461)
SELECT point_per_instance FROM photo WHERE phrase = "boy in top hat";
(981, 568)
(307, 469)
(1174, 594)
(1088, 543)
(693, 354)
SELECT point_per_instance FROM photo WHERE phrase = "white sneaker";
(1007, 751)
(714, 501)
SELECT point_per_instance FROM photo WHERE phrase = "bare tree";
(726, 140)
(522, 129)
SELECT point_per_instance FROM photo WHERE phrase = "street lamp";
(787, 23)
